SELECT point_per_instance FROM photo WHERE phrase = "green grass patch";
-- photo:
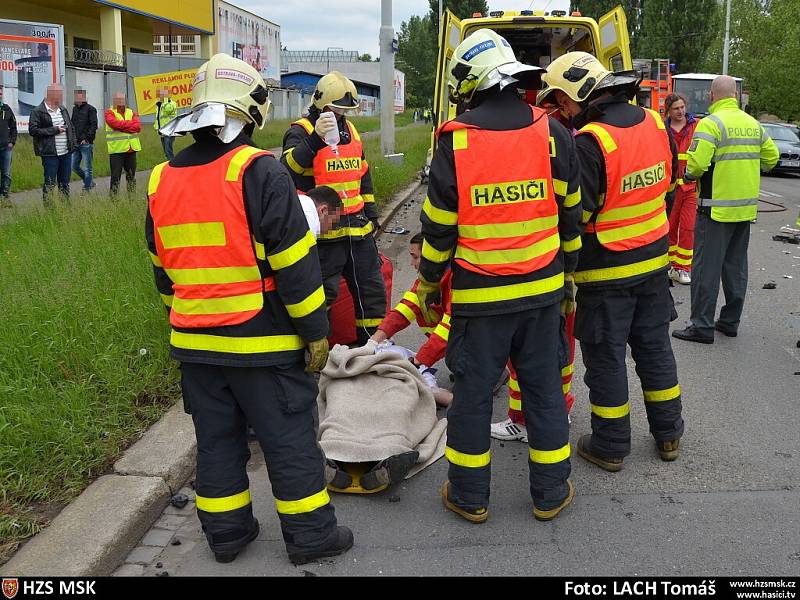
(26, 168)
(390, 178)
(84, 366)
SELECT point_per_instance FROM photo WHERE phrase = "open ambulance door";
(449, 38)
(615, 44)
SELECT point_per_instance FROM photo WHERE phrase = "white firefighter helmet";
(485, 59)
(337, 91)
(578, 75)
(226, 93)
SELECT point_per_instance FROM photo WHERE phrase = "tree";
(416, 57)
(460, 8)
(365, 57)
(633, 13)
(673, 30)
(765, 41)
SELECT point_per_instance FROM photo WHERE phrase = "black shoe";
(609, 464)
(336, 477)
(342, 542)
(230, 556)
(725, 330)
(389, 471)
(692, 334)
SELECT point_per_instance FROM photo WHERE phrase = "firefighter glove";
(568, 303)
(427, 292)
(326, 122)
(318, 355)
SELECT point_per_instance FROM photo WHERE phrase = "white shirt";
(58, 121)
(310, 210)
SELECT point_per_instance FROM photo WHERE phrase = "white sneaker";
(673, 274)
(684, 278)
(509, 431)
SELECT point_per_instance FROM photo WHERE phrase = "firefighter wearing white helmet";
(237, 268)
(349, 249)
(502, 211)
(628, 166)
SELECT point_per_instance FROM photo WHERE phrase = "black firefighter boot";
(342, 542)
(226, 552)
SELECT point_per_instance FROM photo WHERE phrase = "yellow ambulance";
(537, 38)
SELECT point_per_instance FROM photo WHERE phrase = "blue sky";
(353, 24)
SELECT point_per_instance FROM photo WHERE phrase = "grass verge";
(26, 167)
(84, 362)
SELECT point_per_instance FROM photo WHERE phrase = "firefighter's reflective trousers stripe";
(607, 321)
(277, 402)
(358, 262)
(477, 352)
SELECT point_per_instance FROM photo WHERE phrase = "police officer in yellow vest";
(628, 166)
(349, 249)
(122, 129)
(237, 268)
(729, 150)
(503, 211)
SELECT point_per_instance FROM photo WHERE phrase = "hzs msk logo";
(10, 588)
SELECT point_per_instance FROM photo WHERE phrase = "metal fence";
(93, 58)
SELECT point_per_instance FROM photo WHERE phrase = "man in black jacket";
(53, 140)
(84, 119)
(8, 137)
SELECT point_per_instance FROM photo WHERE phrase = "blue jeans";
(56, 169)
(5, 171)
(84, 153)
(166, 144)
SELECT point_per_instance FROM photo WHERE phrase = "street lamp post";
(727, 47)
(387, 78)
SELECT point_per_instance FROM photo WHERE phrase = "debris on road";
(770, 285)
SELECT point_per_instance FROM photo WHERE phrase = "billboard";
(31, 58)
(179, 84)
(250, 38)
(194, 14)
(399, 91)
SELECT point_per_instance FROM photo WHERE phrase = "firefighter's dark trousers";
(277, 402)
(477, 352)
(358, 262)
(606, 322)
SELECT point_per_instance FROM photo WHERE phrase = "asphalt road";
(730, 505)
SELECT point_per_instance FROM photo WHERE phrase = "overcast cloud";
(353, 24)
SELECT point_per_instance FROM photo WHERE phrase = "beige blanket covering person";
(373, 406)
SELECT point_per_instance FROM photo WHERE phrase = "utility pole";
(387, 78)
(727, 48)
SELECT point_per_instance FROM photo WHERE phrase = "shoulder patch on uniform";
(693, 145)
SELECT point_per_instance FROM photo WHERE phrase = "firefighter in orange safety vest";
(628, 166)
(237, 268)
(349, 249)
(509, 230)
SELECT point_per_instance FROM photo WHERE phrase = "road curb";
(95, 533)
(401, 198)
